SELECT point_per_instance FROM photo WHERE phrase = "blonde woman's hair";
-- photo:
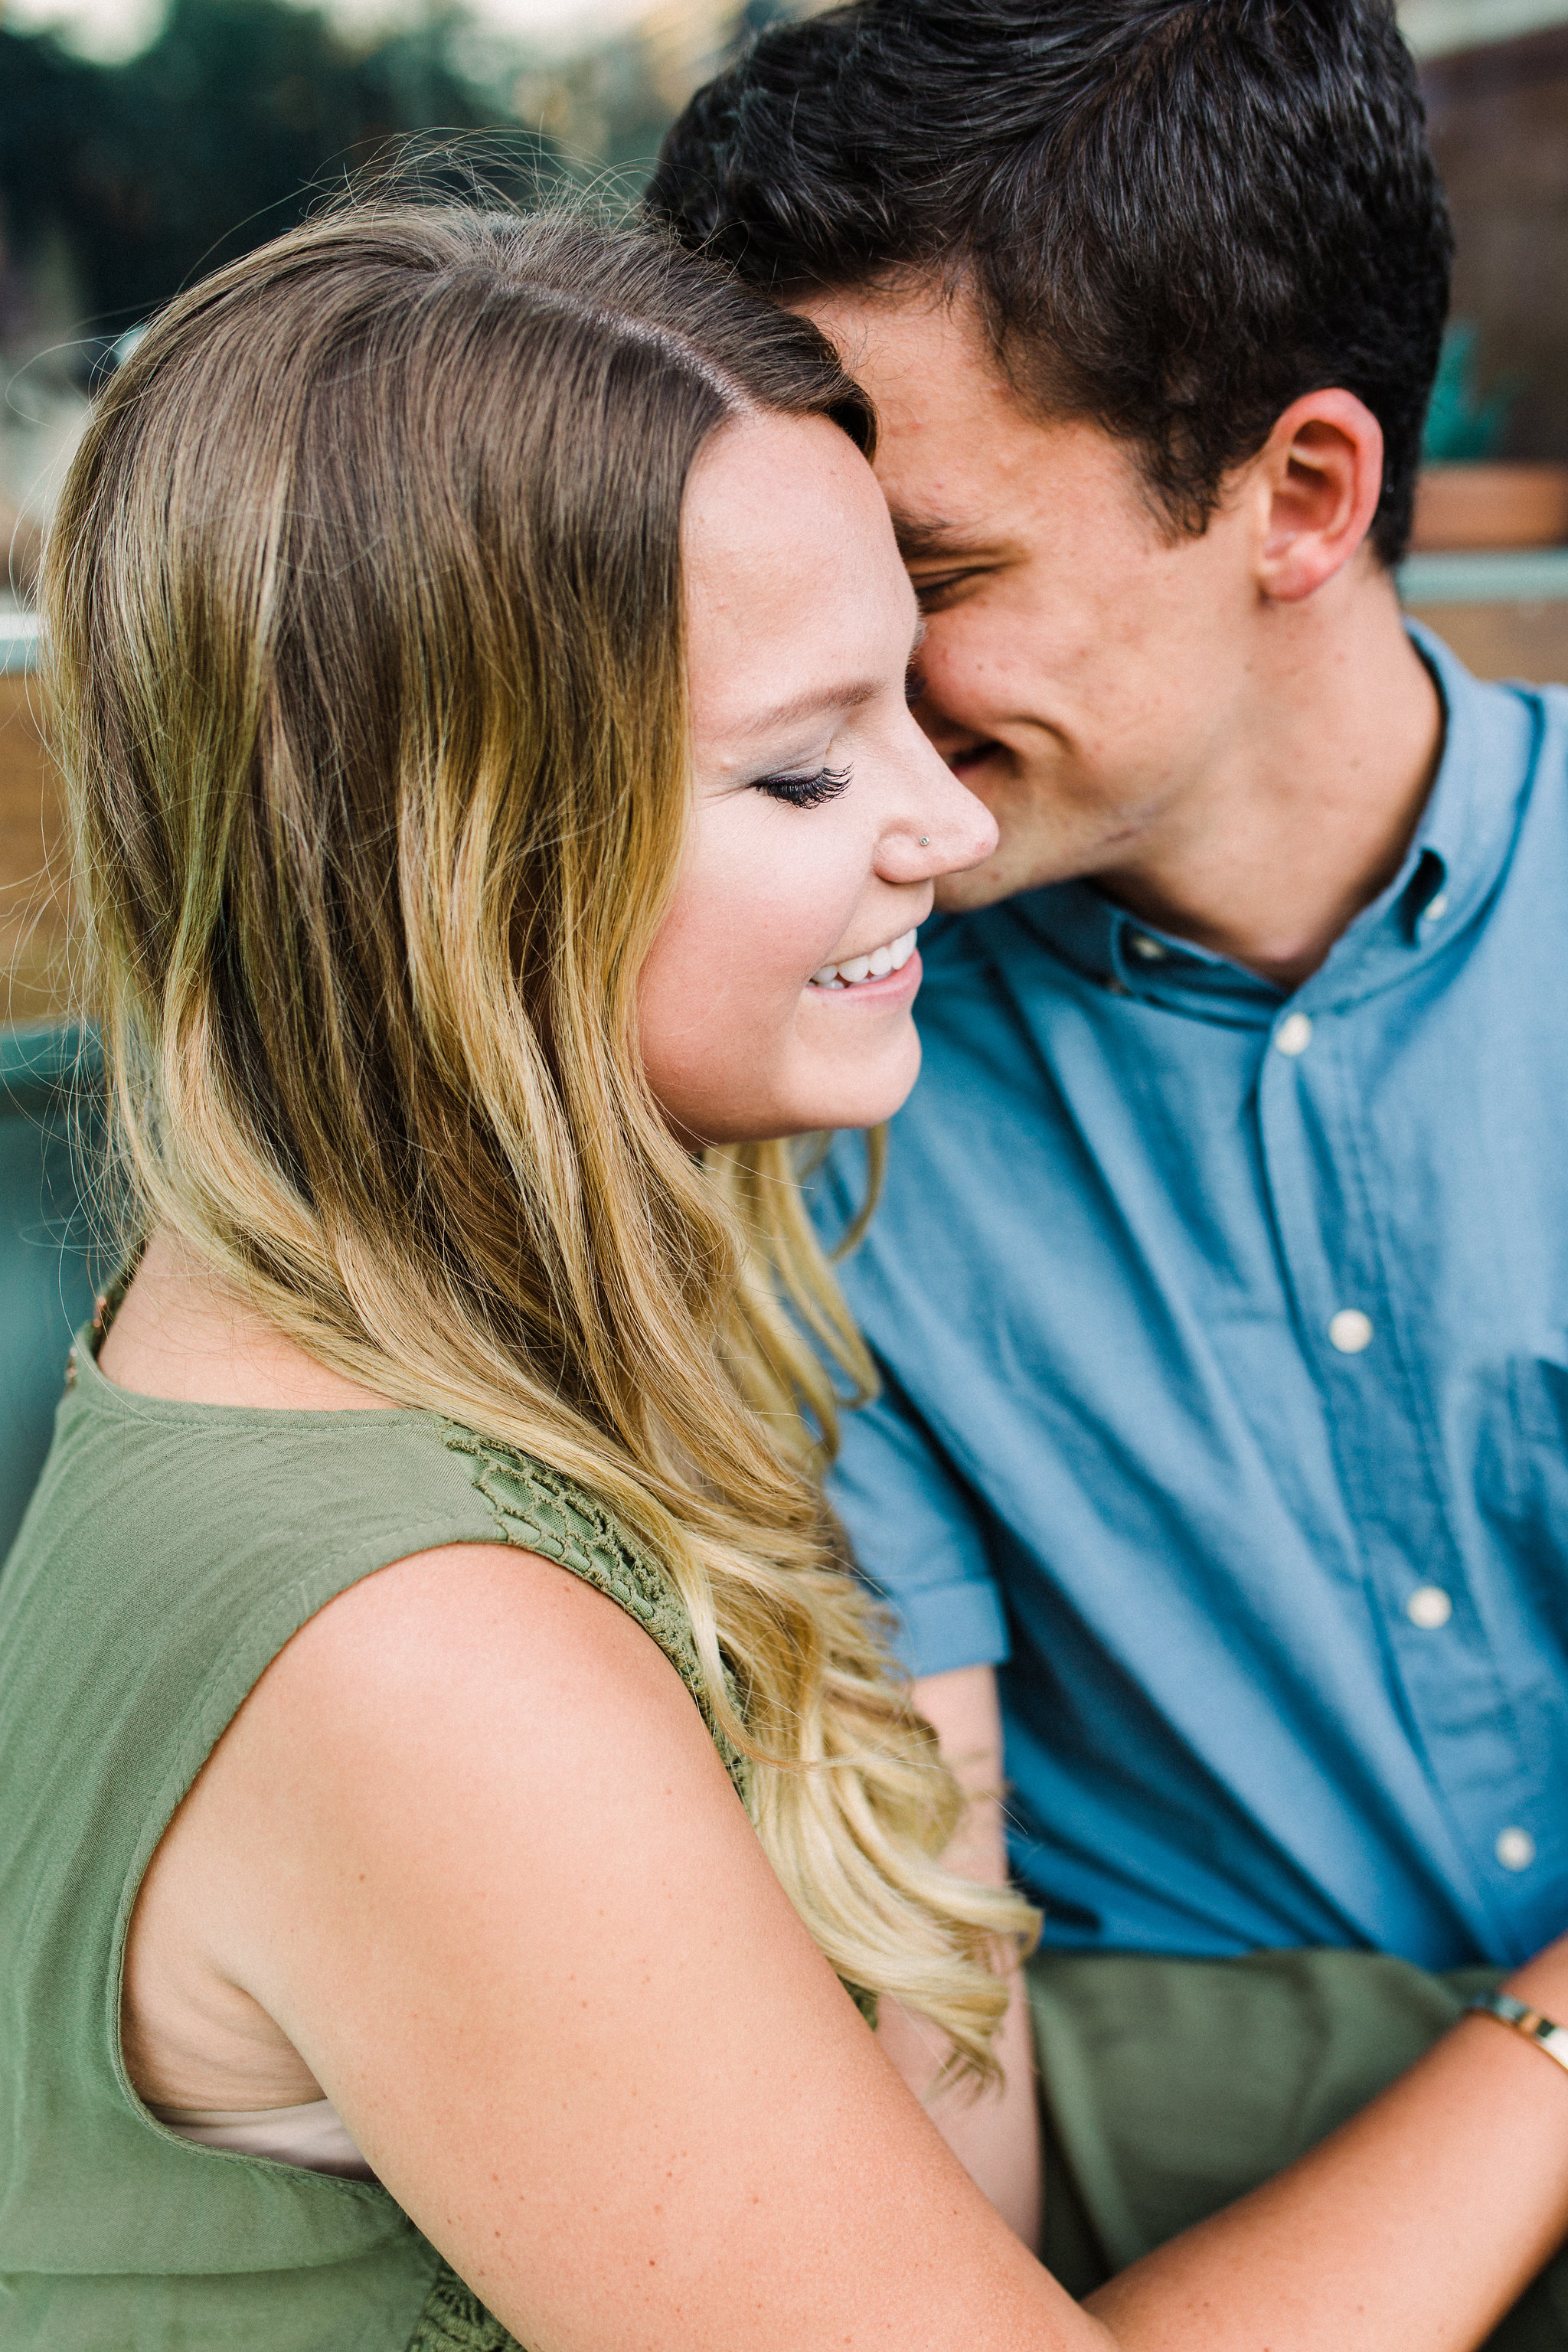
(365, 619)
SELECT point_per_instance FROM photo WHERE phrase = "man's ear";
(1317, 481)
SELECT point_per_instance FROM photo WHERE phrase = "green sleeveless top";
(169, 1553)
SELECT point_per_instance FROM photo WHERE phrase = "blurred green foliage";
(226, 131)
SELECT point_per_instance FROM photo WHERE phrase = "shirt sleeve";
(917, 1538)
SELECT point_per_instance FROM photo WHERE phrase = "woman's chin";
(856, 1075)
(859, 1096)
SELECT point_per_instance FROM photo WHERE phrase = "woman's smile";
(861, 971)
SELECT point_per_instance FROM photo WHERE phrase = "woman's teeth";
(875, 966)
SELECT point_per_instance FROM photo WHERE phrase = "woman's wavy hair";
(364, 620)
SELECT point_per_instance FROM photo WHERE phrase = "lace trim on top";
(455, 2320)
(539, 1510)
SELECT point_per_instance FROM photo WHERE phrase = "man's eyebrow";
(926, 538)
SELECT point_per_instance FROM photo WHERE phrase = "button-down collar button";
(1350, 1331)
(1436, 909)
(1294, 1033)
(1515, 1849)
(1429, 1606)
(1152, 950)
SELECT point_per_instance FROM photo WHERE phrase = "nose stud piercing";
(925, 841)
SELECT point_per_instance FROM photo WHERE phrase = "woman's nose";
(958, 832)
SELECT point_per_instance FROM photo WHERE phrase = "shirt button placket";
(1350, 1328)
(1427, 1609)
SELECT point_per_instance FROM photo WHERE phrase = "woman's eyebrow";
(812, 703)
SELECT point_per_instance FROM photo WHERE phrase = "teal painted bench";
(52, 1142)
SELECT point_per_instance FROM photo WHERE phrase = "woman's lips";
(892, 985)
(876, 963)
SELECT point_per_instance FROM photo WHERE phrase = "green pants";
(1170, 2087)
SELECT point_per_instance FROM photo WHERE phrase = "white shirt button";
(1515, 1849)
(1294, 1033)
(1436, 909)
(1429, 1606)
(1350, 1331)
(1152, 950)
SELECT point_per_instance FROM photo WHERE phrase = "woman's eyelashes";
(806, 792)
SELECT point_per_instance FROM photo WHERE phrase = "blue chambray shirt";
(1224, 1336)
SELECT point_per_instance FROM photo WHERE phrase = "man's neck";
(1308, 815)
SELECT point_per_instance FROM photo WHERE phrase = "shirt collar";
(1447, 879)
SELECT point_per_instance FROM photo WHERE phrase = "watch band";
(1522, 2018)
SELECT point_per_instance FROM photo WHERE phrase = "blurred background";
(141, 142)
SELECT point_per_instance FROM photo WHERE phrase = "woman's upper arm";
(473, 1850)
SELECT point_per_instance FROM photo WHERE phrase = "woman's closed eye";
(806, 791)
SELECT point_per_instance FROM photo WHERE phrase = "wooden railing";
(34, 925)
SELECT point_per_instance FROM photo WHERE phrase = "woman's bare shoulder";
(471, 1849)
(359, 1724)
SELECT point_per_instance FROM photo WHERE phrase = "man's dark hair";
(1177, 215)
